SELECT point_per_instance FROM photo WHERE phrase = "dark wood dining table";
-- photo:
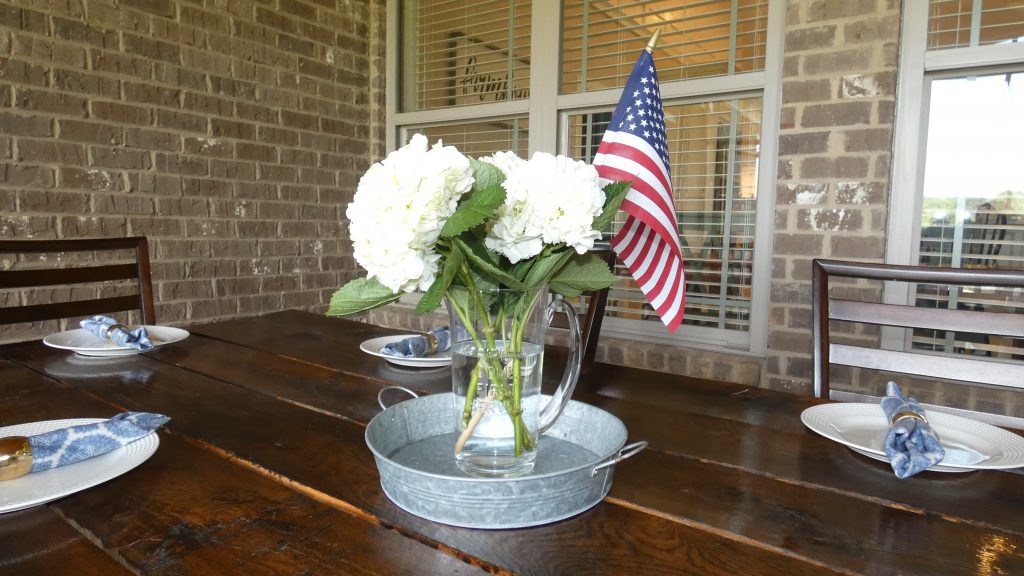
(263, 469)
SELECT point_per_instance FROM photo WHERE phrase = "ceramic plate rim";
(939, 421)
(123, 460)
(161, 336)
(373, 346)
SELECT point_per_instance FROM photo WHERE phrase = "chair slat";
(929, 365)
(56, 277)
(39, 312)
(993, 323)
(57, 271)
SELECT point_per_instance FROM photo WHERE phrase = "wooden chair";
(38, 276)
(591, 320)
(959, 367)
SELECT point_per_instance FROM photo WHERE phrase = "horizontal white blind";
(699, 38)
(964, 23)
(714, 158)
(481, 138)
(465, 53)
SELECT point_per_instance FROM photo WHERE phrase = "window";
(963, 112)
(526, 76)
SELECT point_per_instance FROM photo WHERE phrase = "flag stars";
(636, 93)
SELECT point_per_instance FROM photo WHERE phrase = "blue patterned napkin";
(910, 444)
(437, 340)
(108, 328)
(69, 445)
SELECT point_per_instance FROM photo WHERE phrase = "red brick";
(94, 132)
(115, 63)
(152, 140)
(121, 113)
(21, 72)
(150, 94)
(26, 176)
(121, 158)
(51, 151)
(237, 171)
(82, 32)
(90, 179)
(151, 49)
(59, 103)
(182, 121)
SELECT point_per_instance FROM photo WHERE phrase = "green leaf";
(480, 261)
(432, 298)
(474, 210)
(546, 267)
(614, 193)
(360, 295)
(485, 174)
(585, 273)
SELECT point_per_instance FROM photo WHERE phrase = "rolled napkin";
(910, 444)
(110, 329)
(20, 455)
(437, 340)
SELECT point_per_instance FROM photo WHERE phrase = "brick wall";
(835, 142)
(230, 132)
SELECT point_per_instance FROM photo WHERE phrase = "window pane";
(714, 159)
(962, 23)
(481, 138)
(973, 205)
(601, 39)
(463, 53)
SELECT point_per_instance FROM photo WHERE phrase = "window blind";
(464, 53)
(714, 163)
(481, 138)
(699, 39)
(964, 23)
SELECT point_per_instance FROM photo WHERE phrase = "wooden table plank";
(38, 541)
(327, 455)
(188, 510)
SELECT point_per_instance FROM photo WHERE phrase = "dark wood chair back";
(36, 275)
(959, 367)
(590, 322)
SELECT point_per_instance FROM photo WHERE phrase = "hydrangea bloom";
(549, 200)
(400, 206)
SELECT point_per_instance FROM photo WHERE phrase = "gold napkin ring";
(907, 414)
(15, 457)
(432, 342)
(112, 327)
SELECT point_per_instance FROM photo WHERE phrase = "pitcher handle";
(560, 399)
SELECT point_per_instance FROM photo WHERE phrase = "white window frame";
(918, 66)
(548, 113)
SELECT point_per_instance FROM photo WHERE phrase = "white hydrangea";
(549, 199)
(399, 208)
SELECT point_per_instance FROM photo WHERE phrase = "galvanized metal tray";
(412, 443)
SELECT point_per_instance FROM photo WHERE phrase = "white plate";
(81, 341)
(374, 345)
(969, 444)
(41, 487)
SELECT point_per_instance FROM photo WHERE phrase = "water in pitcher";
(490, 450)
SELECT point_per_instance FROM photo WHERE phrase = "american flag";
(634, 148)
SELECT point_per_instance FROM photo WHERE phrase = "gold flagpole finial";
(654, 41)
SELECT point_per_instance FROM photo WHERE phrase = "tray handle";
(380, 395)
(625, 452)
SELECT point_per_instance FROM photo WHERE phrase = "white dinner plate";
(969, 444)
(41, 487)
(81, 341)
(374, 346)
